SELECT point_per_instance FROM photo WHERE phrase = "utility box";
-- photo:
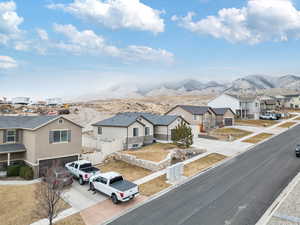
(175, 172)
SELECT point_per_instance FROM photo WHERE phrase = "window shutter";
(69, 135)
(4, 136)
(51, 137)
(17, 135)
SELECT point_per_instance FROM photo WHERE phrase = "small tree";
(49, 196)
(182, 135)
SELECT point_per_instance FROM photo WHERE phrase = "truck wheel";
(114, 199)
(81, 181)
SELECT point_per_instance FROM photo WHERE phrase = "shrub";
(13, 170)
(26, 172)
(182, 135)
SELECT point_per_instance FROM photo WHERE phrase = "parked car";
(268, 117)
(113, 185)
(60, 176)
(82, 170)
(297, 150)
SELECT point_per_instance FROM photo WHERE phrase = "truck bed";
(90, 169)
(123, 185)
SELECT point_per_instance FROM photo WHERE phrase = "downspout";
(168, 133)
(127, 139)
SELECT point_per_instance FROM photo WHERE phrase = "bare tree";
(49, 196)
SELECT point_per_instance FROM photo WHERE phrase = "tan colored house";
(202, 116)
(39, 141)
(137, 129)
(225, 117)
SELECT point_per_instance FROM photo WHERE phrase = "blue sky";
(73, 47)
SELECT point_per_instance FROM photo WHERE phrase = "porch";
(10, 153)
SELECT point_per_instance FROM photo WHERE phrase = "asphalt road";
(236, 193)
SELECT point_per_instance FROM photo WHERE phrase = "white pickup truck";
(82, 170)
(113, 185)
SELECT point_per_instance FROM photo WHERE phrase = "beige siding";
(111, 132)
(1, 137)
(29, 141)
(136, 125)
(147, 124)
(178, 111)
(46, 150)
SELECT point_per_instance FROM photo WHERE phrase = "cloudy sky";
(71, 47)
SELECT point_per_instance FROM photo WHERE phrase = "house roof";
(195, 110)
(8, 148)
(221, 111)
(25, 122)
(128, 118)
(243, 97)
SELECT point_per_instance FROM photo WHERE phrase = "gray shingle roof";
(126, 119)
(221, 111)
(195, 110)
(24, 122)
(6, 148)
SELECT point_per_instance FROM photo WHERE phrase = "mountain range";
(249, 84)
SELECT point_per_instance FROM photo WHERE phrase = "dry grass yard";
(202, 164)
(75, 219)
(18, 203)
(229, 133)
(259, 123)
(258, 138)
(287, 124)
(297, 118)
(129, 172)
(155, 152)
(154, 186)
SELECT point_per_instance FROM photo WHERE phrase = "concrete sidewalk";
(19, 182)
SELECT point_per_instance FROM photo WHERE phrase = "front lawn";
(17, 204)
(129, 172)
(154, 186)
(258, 138)
(231, 134)
(260, 123)
(287, 124)
(297, 118)
(154, 152)
(202, 164)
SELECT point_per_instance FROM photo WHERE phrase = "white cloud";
(7, 62)
(9, 22)
(43, 35)
(258, 21)
(116, 14)
(88, 42)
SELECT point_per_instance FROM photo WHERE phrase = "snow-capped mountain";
(252, 83)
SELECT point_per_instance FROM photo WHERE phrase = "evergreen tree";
(182, 135)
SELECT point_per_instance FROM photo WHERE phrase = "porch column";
(8, 159)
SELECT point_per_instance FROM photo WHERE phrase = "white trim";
(60, 130)
(32, 164)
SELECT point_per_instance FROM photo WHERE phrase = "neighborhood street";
(236, 193)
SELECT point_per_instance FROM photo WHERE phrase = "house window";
(147, 131)
(11, 136)
(60, 121)
(60, 136)
(195, 117)
(99, 130)
(135, 132)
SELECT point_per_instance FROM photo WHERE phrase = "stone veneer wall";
(156, 166)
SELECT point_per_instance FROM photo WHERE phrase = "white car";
(82, 170)
(113, 185)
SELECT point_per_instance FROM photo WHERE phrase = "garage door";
(228, 121)
(47, 163)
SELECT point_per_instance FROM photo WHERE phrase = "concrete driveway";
(79, 196)
(221, 147)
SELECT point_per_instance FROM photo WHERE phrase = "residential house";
(202, 117)
(21, 101)
(38, 141)
(268, 103)
(136, 129)
(225, 117)
(245, 107)
(292, 101)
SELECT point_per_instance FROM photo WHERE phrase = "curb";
(278, 201)
(159, 194)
